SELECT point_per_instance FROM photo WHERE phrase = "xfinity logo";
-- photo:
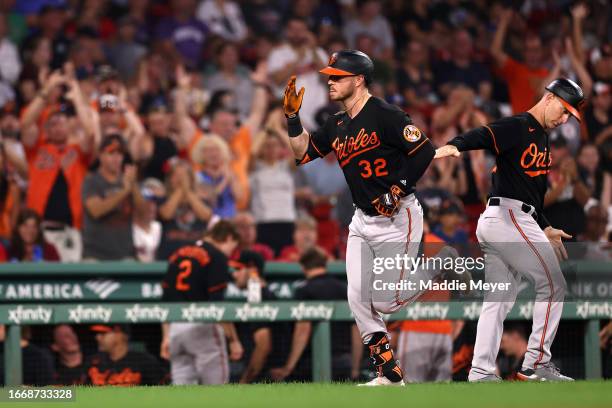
(594, 309)
(248, 312)
(472, 310)
(319, 312)
(87, 314)
(195, 312)
(37, 314)
(420, 311)
(138, 313)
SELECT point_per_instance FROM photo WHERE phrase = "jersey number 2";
(379, 168)
(184, 272)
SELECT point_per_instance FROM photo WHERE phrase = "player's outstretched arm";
(292, 102)
(445, 151)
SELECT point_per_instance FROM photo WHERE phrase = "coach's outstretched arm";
(292, 102)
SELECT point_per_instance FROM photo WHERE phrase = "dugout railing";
(44, 306)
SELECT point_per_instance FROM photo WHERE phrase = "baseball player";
(382, 155)
(199, 273)
(513, 232)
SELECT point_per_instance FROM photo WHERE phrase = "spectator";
(146, 229)
(111, 196)
(589, 168)
(13, 168)
(69, 367)
(10, 64)
(318, 286)
(114, 114)
(37, 362)
(272, 189)
(58, 160)
(232, 76)
(596, 126)
(28, 243)
(414, 77)
(525, 80)
(594, 240)
(224, 122)
(182, 33)
(184, 215)
(304, 239)
(247, 229)
(50, 25)
(223, 18)
(116, 364)
(462, 69)
(368, 19)
(217, 185)
(126, 52)
(567, 195)
(450, 227)
(301, 56)
(154, 148)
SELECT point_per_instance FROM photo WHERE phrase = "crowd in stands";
(147, 121)
(129, 127)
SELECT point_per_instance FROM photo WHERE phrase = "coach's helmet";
(348, 63)
(569, 93)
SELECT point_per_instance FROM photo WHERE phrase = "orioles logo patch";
(333, 59)
(412, 133)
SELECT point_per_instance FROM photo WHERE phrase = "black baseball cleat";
(387, 369)
(546, 372)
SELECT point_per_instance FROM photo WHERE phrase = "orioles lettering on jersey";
(351, 147)
(535, 162)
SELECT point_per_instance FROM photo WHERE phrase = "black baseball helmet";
(569, 93)
(348, 63)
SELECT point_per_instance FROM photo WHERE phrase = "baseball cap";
(107, 328)
(113, 143)
(569, 93)
(348, 63)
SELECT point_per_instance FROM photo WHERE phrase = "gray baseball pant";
(379, 237)
(515, 246)
(198, 354)
(425, 356)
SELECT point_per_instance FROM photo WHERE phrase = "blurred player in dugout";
(198, 273)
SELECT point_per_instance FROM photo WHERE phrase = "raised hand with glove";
(292, 102)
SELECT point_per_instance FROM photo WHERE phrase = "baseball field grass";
(581, 394)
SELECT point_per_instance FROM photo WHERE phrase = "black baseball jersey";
(135, 368)
(522, 151)
(196, 273)
(376, 149)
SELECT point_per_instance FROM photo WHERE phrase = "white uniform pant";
(515, 246)
(371, 238)
(198, 354)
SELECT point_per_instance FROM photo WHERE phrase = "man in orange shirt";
(525, 79)
(58, 156)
